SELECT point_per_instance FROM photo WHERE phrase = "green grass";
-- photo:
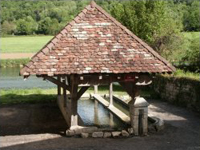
(13, 62)
(19, 96)
(191, 75)
(32, 96)
(23, 44)
(191, 35)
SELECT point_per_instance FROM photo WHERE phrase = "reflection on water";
(98, 116)
(9, 78)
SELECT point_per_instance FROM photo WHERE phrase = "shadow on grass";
(27, 99)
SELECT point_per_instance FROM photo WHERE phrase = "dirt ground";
(16, 55)
(41, 126)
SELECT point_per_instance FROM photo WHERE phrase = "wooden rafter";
(82, 91)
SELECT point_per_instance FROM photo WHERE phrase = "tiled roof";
(94, 42)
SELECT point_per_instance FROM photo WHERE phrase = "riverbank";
(4, 63)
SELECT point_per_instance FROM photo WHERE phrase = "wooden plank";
(101, 100)
(120, 114)
(113, 109)
(57, 82)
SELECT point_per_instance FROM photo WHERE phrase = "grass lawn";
(31, 96)
(191, 75)
(23, 44)
(191, 35)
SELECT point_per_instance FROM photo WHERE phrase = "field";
(23, 44)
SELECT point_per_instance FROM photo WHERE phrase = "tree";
(22, 27)
(192, 55)
(191, 19)
(26, 26)
(44, 25)
(8, 28)
(32, 25)
(156, 22)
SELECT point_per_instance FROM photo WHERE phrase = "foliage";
(157, 22)
(191, 18)
(8, 28)
(28, 16)
(187, 57)
(192, 55)
(38, 17)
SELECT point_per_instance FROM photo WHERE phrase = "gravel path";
(41, 126)
(16, 55)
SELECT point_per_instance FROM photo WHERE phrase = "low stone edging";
(95, 132)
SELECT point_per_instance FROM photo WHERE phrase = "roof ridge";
(134, 36)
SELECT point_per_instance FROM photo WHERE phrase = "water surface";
(9, 78)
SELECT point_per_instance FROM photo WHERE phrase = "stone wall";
(180, 91)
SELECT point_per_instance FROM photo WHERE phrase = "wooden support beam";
(64, 93)
(130, 88)
(111, 94)
(95, 89)
(74, 102)
(81, 92)
(58, 87)
(57, 82)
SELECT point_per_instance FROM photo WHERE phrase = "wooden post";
(74, 103)
(58, 87)
(111, 94)
(95, 89)
(95, 101)
(111, 122)
(64, 93)
(96, 118)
